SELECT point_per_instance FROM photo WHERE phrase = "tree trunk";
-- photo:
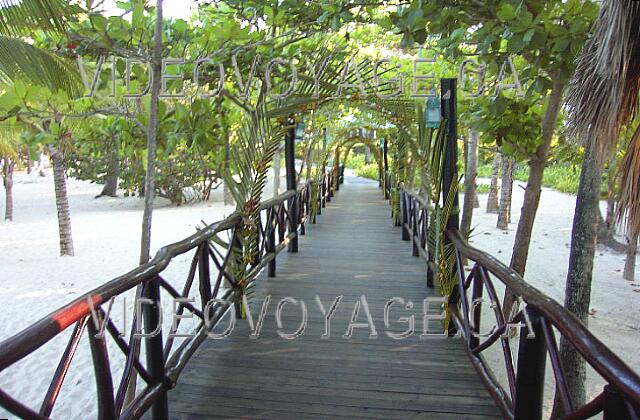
(471, 172)
(152, 135)
(41, 171)
(7, 176)
(504, 213)
(630, 263)
(226, 192)
(492, 200)
(578, 288)
(62, 201)
(610, 220)
(605, 235)
(367, 155)
(150, 177)
(110, 188)
(276, 173)
(534, 182)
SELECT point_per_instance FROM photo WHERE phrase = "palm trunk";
(630, 263)
(62, 201)
(534, 182)
(606, 235)
(471, 172)
(578, 288)
(504, 213)
(110, 188)
(7, 175)
(152, 136)
(492, 200)
(610, 222)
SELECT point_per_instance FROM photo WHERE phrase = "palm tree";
(19, 59)
(8, 163)
(602, 99)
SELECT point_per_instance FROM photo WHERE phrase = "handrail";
(40, 332)
(523, 398)
(415, 213)
(286, 216)
(542, 313)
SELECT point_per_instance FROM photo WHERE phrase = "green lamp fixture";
(432, 112)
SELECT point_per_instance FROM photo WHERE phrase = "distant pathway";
(353, 250)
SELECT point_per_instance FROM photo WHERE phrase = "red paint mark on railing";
(68, 316)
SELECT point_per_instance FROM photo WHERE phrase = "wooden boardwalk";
(352, 251)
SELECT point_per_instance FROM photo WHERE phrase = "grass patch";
(563, 178)
(482, 188)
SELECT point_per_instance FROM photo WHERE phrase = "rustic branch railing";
(537, 322)
(414, 212)
(164, 360)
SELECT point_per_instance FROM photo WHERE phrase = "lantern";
(300, 130)
(432, 112)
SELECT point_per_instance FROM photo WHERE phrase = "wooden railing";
(414, 215)
(281, 220)
(538, 320)
(536, 317)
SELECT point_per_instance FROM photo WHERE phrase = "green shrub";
(564, 178)
(369, 171)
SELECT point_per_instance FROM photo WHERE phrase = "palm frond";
(19, 18)
(603, 94)
(629, 178)
(22, 61)
(10, 139)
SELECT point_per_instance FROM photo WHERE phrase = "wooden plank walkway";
(352, 251)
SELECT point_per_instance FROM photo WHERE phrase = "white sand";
(34, 280)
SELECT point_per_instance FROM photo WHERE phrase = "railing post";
(236, 244)
(532, 355)
(476, 313)
(450, 169)
(425, 227)
(336, 169)
(271, 241)
(154, 347)
(414, 226)
(320, 197)
(403, 215)
(330, 185)
(302, 211)
(385, 159)
(289, 147)
(448, 103)
(615, 407)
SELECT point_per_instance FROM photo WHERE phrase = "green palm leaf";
(23, 17)
(19, 60)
